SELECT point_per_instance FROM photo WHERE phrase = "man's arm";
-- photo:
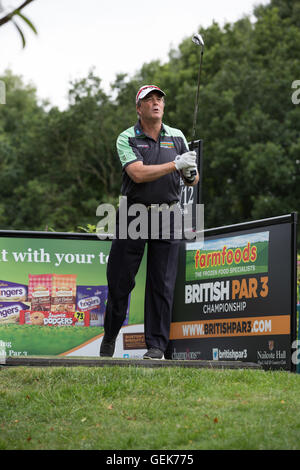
(133, 164)
(141, 173)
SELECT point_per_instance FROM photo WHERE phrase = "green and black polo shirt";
(133, 145)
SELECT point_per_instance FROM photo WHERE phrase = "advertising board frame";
(237, 229)
(11, 275)
(285, 219)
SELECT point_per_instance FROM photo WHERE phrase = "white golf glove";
(190, 173)
(185, 160)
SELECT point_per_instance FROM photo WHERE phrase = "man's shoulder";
(173, 131)
(130, 132)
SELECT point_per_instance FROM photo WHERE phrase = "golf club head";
(198, 40)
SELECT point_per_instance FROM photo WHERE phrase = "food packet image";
(10, 312)
(63, 297)
(13, 292)
(92, 299)
(60, 319)
(36, 318)
(44, 318)
(39, 291)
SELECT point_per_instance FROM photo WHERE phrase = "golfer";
(153, 157)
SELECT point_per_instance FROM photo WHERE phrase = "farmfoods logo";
(226, 256)
(245, 254)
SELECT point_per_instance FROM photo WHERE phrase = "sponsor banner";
(272, 352)
(252, 326)
(53, 294)
(238, 284)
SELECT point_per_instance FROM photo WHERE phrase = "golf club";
(198, 40)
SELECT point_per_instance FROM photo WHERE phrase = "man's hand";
(190, 173)
(185, 160)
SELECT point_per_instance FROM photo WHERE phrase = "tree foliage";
(57, 166)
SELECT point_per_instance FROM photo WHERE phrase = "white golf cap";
(144, 90)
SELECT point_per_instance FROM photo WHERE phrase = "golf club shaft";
(196, 102)
(197, 98)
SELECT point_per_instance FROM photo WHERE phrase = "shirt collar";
(139, 131)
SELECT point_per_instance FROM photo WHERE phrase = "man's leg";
(123, 264)
(162, 263)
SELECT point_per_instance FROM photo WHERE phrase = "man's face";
(151, 107)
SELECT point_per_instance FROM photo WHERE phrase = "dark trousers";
(123, 264)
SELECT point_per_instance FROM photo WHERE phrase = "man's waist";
(153, 205)
(162, 206)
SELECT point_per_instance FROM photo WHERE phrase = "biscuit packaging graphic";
(13, 292)
(42, 318)
(55, 300)
(63, 296)
(10, 312)
(39, 291)
(92, 299)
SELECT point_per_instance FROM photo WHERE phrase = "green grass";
(144, 408)
(43, 341)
